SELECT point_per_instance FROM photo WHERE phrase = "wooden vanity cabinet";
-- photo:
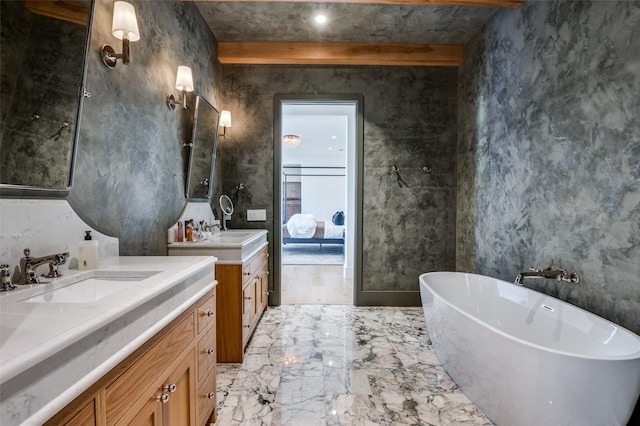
(242, 298)
(170, 380)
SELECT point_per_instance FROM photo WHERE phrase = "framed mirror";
(42, 72)
(202, 157)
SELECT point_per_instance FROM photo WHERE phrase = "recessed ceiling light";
(321, 19)
(333, 137)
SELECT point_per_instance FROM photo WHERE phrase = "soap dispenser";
(88, 252)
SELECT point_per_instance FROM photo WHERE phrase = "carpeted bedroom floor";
(312, 254)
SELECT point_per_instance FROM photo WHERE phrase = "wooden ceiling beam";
(66, 10)
(513, 4)
(268, 53)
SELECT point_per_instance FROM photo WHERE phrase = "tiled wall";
(130, 174)
(549, 151)
(409, 121)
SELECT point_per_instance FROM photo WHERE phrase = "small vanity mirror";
(42, 73)
(202, 158)
(227, 210)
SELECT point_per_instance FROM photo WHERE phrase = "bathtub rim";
(628, 357)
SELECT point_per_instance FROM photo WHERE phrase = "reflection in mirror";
(42, 71)
(204, 142)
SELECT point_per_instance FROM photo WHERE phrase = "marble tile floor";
(341, 365)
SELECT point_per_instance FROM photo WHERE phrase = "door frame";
(278, 101)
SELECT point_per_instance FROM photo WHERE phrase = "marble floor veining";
(341, 365)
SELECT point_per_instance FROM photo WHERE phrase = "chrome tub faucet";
(550, 272)
(29, 264)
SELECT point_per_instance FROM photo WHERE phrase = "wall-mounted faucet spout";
(550, 272)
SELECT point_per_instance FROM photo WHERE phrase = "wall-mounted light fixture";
(124, 27)
(184, 83)
(291, 141)
(225, 121)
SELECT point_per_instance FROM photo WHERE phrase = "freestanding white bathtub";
(525, 358)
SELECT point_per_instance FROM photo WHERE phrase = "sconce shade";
(184, 79)
(225, 118)
(125, 24)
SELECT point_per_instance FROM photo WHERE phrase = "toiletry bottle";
(189, 231)
(180, 232)
(171, 235)
(88, 252)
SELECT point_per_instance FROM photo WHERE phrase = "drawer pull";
(210, 351)
(211, 395)
(247, 273)
(164, 398)
(210, 313)
(247, 326)
(171, 388)
(248, 297)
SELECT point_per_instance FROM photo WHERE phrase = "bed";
(305, 229)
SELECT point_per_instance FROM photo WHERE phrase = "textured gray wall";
(549, 151)
(130, 173)
(409, 121)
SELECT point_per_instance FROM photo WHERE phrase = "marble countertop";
(85, 340)
(229, 247)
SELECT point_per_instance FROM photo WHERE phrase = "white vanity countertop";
(85, 340)
(229, 247)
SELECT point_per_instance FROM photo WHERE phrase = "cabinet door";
(149, 415)
(180, 386)
(248, 310)
(264, 286)
(86, 416)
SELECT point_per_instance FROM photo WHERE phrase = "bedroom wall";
(409, 120)
(324, 196)
(549, 151)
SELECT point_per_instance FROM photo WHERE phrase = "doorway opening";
(318, 155)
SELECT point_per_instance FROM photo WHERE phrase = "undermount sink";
(90, 288)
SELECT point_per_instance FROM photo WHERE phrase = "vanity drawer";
(135, 382)
(207, 398)
(206, 352)
(206, 314)
(254, 265)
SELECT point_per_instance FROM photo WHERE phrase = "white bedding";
(304, 226)
(301, 226)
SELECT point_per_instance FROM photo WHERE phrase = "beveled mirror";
(43, 68)
(202, 157)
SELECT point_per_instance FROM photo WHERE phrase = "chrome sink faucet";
(5, 273)
(550, 272)
(29, 264)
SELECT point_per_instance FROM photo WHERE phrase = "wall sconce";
(184, 83)
(124, 27)
(225, 121)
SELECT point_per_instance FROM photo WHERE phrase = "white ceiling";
(323, 129)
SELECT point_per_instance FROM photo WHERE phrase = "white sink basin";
(90, 289)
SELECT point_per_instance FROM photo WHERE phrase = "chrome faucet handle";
(5, 273)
